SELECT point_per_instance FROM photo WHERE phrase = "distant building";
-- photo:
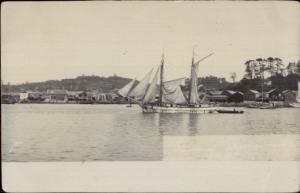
(234, 96)
(216, 96)
(289, 96)
(73, 95)
(101, 97)
(273, 95)
(31, 96)
(56, 96)
(16, 96)
(228, 92)
(251, 95)
(9, 98)
(112, 96)
(96, 96)
(82, 96)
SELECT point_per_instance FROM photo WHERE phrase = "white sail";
(172, 92)
(139, 91)
(126, 89)
(152, 90)
(193, 95)
(175, 97)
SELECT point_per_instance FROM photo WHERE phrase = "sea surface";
(75, 132)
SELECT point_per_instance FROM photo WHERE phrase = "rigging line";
(204, 58)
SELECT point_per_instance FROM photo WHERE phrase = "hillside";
(104, 84)
(83, 83)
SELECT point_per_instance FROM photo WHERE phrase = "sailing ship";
(297, 103)
(167, 96)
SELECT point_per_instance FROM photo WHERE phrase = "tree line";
(259, 67)
(269, 72)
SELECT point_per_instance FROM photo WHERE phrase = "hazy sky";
(56, 40)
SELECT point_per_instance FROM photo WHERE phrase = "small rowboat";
(230, 111)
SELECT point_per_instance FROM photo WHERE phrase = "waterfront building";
(216, 96)
(82, 96)
(31, 96)
(234, 96)
(102, 97)
(10, 98)
(56, 96)
(251, 95)
(72, 95)
(289, 96)
(273, 95)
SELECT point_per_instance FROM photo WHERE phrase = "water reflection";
(194, 124)
(170, 123)
(179, 124)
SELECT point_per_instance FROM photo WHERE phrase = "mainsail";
(172, 92)
(126, 89)
(193, 95)
(152, 90)
(139, 91)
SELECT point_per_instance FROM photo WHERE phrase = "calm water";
(42, 132)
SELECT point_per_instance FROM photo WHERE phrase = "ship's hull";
(197, 110)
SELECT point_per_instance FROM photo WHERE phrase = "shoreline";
(277, 104)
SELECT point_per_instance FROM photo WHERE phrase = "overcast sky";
(56, 40)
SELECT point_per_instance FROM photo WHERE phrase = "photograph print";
(107, 81)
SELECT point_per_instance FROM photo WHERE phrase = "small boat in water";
(230, 111)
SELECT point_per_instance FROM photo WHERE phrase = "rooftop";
(270, 91)
(254, 91)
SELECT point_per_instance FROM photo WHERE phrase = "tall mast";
(161, 79)
(262, 88)
(189, 99)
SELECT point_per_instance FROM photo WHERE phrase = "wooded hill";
(80, 83)
(104, 84)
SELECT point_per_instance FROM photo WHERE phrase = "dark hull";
(230, 111)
